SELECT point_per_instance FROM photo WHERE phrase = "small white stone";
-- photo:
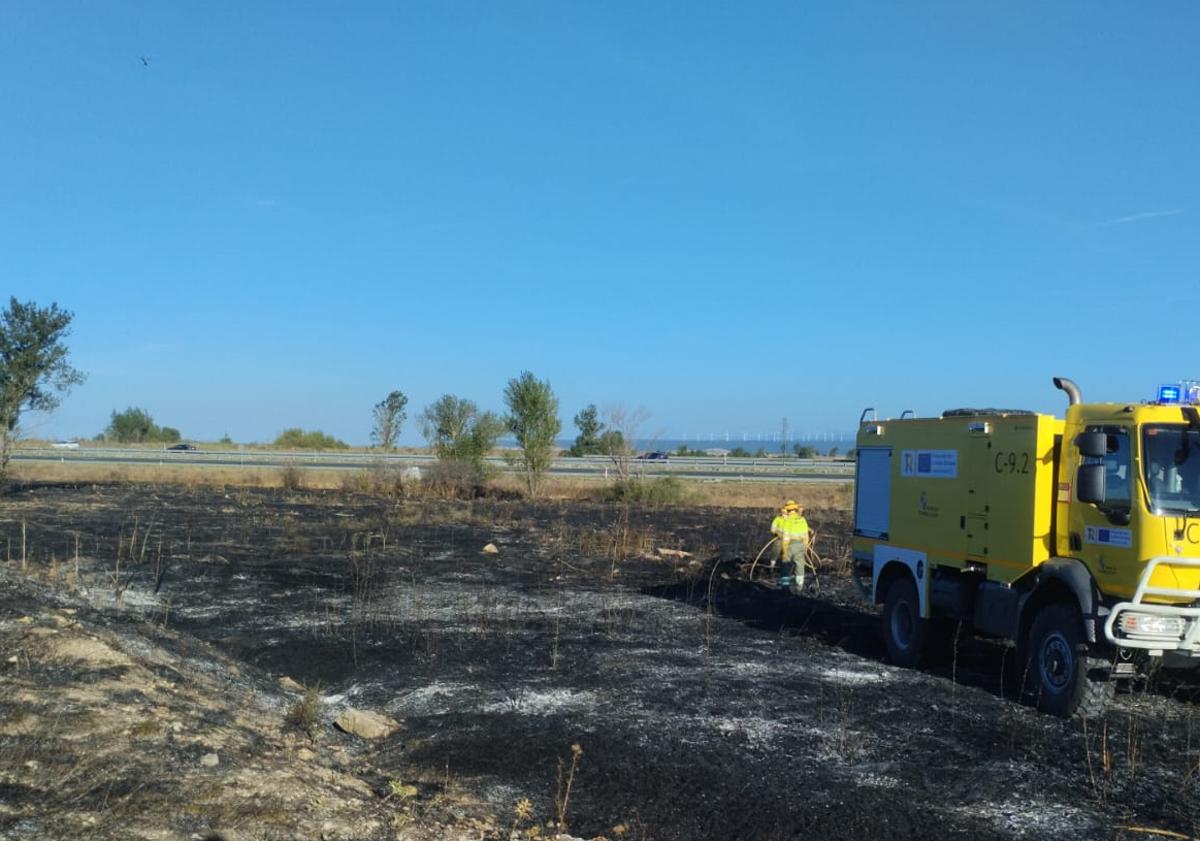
(210, 760)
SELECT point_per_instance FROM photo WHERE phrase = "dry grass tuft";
(380, 479)
(562, 794)
(291, 477)
(305, 715)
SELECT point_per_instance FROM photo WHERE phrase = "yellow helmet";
(791, 505)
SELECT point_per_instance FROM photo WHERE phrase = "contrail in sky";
(1139, 217)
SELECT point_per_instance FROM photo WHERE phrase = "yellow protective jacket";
(790, 528)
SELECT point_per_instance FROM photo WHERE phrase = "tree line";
(461, 434)
(35, 373)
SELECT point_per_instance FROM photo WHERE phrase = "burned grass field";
(579, 676)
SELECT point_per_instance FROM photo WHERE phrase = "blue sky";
(725, 213)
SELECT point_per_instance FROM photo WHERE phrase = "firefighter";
(792, 530)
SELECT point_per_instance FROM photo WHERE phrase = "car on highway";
(65, 445)
(180, 448)
(657, 455)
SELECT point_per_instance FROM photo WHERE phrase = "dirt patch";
(705, 705)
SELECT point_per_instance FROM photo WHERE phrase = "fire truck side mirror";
(1089, 484)
(1092, 444)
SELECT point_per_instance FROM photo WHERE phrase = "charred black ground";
(726, 711)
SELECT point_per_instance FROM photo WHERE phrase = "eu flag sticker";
(1120, 538)
(929, 464)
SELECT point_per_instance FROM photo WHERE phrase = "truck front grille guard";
(1189, 640)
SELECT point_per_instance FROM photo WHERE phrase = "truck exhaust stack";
(1072, 390)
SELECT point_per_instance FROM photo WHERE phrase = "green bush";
(458, 431)
(297, 439)
(667, 490)
(136, 426)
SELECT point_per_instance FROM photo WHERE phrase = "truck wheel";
(904, 630)
(1056, 666)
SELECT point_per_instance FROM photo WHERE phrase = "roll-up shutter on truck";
(872, 491)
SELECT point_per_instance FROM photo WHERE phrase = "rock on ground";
(366, 724)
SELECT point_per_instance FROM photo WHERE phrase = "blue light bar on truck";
(1169, 393)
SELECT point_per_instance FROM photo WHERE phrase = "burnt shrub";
(453, 479)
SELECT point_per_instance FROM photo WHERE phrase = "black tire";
(904, 631)
(1056, 666)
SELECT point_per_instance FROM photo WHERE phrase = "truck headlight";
(1151, 625)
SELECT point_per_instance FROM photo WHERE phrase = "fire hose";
(809, 554)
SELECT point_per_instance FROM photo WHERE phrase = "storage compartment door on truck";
(1010, 486)
(873, 492)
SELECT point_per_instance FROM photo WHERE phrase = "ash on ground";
(158, 644)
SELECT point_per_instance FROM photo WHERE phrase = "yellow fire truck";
(1078, 538)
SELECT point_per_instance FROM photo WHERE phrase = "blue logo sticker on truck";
(929, 464)
(1121, 538)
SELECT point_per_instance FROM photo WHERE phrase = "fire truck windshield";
(1171, 456)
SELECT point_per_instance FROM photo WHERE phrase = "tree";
(34, 370)
(619, 440)
(389, 415)
(131, 426)
(612, 442)
(587, 442)
(804, 451)
(533, 421)
(136, 426)
(458, 431)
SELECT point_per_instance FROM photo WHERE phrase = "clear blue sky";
(725, 213)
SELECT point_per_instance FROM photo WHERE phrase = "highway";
(594, 467)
